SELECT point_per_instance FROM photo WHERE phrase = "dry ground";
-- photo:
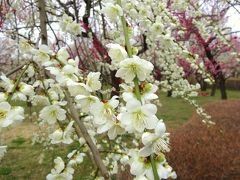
(198, 152)
(24, 130)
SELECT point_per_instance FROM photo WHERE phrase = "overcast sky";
(234, 19)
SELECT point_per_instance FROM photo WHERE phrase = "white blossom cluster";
(70, 26)
(158, 25)
(133, 115)
(124, 127)
(64, 170)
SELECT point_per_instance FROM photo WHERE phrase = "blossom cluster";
(78, 106)
(70, 26)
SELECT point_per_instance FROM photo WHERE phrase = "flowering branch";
(136, 81)
(125, 30)
(18, 81)
(154, 168)
(94, 150)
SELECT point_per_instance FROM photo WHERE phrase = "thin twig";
(15, 70)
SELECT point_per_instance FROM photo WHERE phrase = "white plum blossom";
(104, 111)
(115, 128)
(25, 46)
(43, 55)
(82, 141)
(56, 136)
(65, 171)
(137, 165)
(62, 55)
(59, 164)
(156, 142)
(52, 113)
(60, 136)
(56, 93)
(23, 91)
(74, 28)
(39, 100)
(60, 171)
(112, 11)
(117, 53)
(76, 89)
(18, 96)
(3, 96)
(85, 102)
(141, 167)
(68, 25)
(134, 67)
(47, 83)
(157, 28)
(6, 83)
(30, 71)
(64, 75)
(9, 115)
(69, 70)
(17, 113)
(75, 157)
(164, 171)
(138, 117)
(93, 83)
(68, 133)
(65, 21)
(148, 92)
(104, 116)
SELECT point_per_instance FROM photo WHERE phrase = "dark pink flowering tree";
(214, 50)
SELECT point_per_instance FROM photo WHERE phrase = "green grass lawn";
(22, 159)
(176, 111)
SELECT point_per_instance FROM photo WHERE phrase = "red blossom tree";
(212, 48)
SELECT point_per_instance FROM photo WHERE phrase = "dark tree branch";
(144, 44)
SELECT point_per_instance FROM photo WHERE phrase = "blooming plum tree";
(89, 66)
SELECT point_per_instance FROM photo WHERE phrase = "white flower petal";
(160, 128)
(148, 138)
(145, 151)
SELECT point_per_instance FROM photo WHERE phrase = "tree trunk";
(115, 83)
(213, 91)
(169, 93)
(222, 87)
(203, 85)
(43, 21)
